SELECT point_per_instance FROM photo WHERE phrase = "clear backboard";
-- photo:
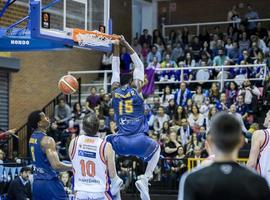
(83, 14)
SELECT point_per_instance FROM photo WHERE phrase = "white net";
(93, 40)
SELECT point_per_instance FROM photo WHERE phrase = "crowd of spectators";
(179, 119)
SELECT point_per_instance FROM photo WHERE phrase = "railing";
(105, 83)
(198, 25)
(193, 162)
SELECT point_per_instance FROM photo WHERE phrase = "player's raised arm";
(49, 146)
(138, 74)
(115, 81)
(256, 142)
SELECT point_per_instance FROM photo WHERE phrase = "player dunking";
(259, 157)
(93, 163)
(128, 103)
(45, 159)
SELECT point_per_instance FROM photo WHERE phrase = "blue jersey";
(129, 109)
(43, 169)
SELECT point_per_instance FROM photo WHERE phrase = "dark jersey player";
(45, 159)
(128, 103)
(224, 179)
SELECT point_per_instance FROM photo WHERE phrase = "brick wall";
(36, 83)
(206, 11)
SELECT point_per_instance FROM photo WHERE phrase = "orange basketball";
(68, 84)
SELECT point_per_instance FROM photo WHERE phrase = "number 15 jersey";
(89, 165)
(129, 109)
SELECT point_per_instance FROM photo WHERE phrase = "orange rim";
(77, 31)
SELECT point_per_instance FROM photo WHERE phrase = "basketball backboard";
(56, 24)
(82, 14)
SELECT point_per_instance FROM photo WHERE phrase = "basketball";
(68, 84)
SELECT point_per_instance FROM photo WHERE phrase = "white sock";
(151, 165)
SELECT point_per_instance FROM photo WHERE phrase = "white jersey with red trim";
(263, 164)
(89, 165)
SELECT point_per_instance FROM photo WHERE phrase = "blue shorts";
(49, 190)
(139, 145)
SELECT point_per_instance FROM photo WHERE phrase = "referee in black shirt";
(224, 179)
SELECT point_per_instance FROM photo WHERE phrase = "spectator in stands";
(160, 46)
(189, 61)
(125, 60)
(153, 53)
(144, 52)
(160, 118)
(154, 64)
(171, 147)
(171, 108)
(165, 128)
(250, 93)
(188, 107)
(251, 14)
(260, 43)
(65, 179)
(233, 53)
(179, 115)
(103, 129)
(77, 116)
(110, 118)
(167, 95)
(105, 104)
(232, 33)
(20, 187)
(185, 36)
(204, 36)
(168, 62)
(258, 72)
(196, 47)
(195, 119)
(222, 104)
(214, 93)
(198, 98)
(137, 46)
(149, 115)
(231, 93)
(213, 110)
(206, 52)
(172, 37)
(182, 95)
(232, 13)
(238, 116)
(145, 38)
(260, 31)
(177, 52)
(157, 37)
(177, 168)
(243, 42)
(92, 100)
(184, 131)
(220, 58)
(113, 128)
(106, 63)
(62, 113)
(241, 107)
(156, 104)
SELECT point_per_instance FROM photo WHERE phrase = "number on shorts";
(88, 168)
(127, 105)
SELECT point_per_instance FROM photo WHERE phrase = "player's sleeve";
(185, 188)
(138, 73)
(115, 71)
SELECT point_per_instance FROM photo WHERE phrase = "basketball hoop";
(93, 38)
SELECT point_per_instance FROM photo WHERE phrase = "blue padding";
(26, 43)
